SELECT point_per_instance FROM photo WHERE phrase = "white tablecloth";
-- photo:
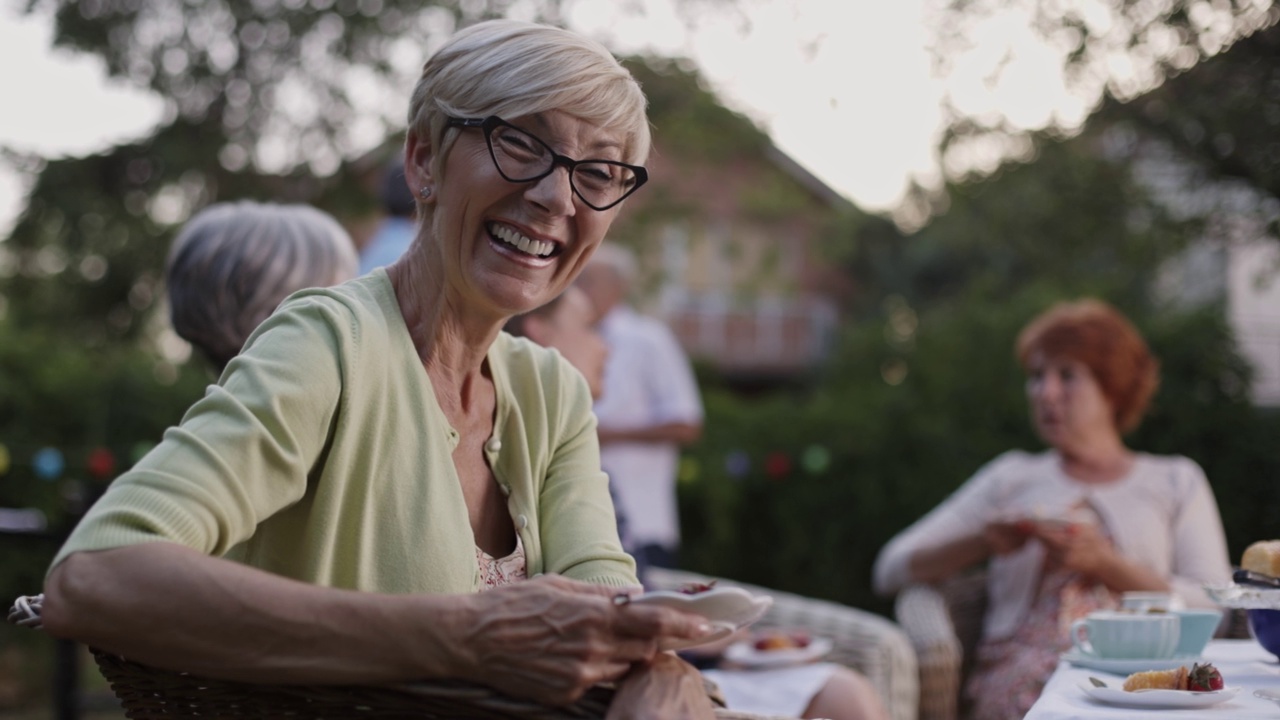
(1242, 662)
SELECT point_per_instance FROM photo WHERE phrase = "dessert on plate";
(1200, 678)
(770, 640)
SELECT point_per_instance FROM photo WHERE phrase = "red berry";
(1204, 678)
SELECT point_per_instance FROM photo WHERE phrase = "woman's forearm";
(939, 562)
(549, 638)
(165, 605)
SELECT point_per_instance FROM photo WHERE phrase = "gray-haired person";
(233, 263)
(410, 492)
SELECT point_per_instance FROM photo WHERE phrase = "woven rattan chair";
(866, 642)
(146, 693)
(944, 624)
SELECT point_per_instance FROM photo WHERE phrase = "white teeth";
(525, 244)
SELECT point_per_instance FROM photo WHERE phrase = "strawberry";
(694, 588)
(1204, 678)
(799, 638)
(772, 641)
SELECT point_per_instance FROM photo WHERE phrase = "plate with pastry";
(1181, 687)
(1158, 699)
(777, 648)
(726, 608)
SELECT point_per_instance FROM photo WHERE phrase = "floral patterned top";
(496, 572)
(1009, 673)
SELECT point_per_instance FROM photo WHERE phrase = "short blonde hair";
(234, 263)
(513, 69)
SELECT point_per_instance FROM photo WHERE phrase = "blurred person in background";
(383, 486)
(816, 690)
(396, 231)
(1066, 531)
(567, 325)
(650, 409)
(233, 264)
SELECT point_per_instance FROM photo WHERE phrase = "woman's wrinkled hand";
(550, 638)
(1076, 546)
(667, 688)
(1006, 537)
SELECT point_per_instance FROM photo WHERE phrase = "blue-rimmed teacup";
(1127, 636)
(1196, 628)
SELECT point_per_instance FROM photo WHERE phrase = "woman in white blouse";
(1066, 531)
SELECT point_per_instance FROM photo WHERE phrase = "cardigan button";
(493, 445)
(522, 522)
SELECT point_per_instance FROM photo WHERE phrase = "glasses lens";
(520, 156)
(603, 183)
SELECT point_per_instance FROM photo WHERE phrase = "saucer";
(1127, 666)
(727, 608)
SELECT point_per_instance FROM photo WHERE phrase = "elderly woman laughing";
(331, 509)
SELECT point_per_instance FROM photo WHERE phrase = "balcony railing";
(778, 337)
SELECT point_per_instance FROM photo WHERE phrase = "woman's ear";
(418, 157)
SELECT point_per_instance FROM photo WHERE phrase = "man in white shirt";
(650, 407)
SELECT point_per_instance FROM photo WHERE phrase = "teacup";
(1127, 636)
(1148, 602)
(1196, 628)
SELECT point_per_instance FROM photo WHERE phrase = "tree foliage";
(278, 82)
(1109, 51)
(1076, 212)
(1225, 114)
(1121, 47)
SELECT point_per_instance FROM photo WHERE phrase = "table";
(1242, 662)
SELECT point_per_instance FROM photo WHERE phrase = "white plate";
(1244, 597)
(1127, 667)
(727, 608)
(745, 653)
(1158, 698)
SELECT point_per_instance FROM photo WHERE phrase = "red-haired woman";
(1066, 531)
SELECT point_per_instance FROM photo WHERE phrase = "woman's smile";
(512, 239)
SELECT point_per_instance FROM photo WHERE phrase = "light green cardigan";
(322, 455)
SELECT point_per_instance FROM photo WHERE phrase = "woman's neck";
(1102, 461)
(451, 345)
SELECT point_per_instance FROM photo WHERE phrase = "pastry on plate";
(1200, 678)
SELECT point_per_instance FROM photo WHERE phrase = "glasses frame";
(488, 124)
